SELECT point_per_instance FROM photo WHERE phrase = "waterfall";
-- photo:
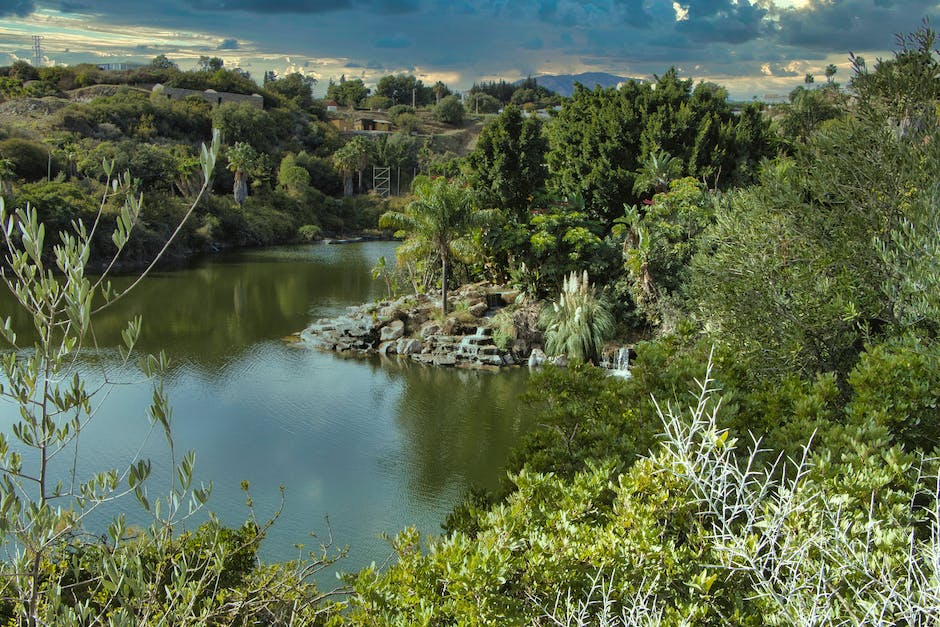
(620, 366)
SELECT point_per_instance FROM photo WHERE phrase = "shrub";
(450, 111)
(579, 323)
(310, 232)
(30, 159)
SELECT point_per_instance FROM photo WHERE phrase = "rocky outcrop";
(410, 327)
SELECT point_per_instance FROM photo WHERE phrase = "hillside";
(563, 84)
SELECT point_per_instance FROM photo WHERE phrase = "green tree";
(161, 62)
(450, 111)
(347, 92)
(403, 89)
(479, 102)
(508, 164)
(439, 222)
(295, 87)
(242, 122)
(210, 64)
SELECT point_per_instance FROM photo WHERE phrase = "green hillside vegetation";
(58, 125)
(771, 460)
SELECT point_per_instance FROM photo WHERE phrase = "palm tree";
(658, 169)
(352, 157)
(440, 221)
(244, 161)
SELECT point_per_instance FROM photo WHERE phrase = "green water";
(374, 445)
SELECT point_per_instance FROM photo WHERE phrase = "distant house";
(210, 95)
(331, 105)
(363, 125)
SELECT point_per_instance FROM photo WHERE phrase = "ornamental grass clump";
(579, 322)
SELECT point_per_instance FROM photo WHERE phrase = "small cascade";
(479, 348)
(494, 302)
(620, 363)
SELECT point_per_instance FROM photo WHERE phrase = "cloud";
(229, 44)
(396, 41)
(533, 44)
(851, 24)
(390, 7)
(20, 8)
(730, 21)
(276, 6)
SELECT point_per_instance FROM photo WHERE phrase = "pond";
(374, 445)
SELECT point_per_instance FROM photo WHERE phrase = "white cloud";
(682, 13)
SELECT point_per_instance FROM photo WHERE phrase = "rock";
(509, 297)
(409, 346)
(392, 331)
(429, 329)
(537, 358)
(444, 360)
(560, 361)
(477, 310)
(520, 349)
(388, 348)
(508, 360)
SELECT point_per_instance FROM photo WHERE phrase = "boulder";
(560, 361)
(509, 297)
(409, 346)
(537, 358)
(477, 310)
(445, 359)
(392, 331)
(388, 348)
(429, 329)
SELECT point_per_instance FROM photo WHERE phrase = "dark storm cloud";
(278, 6)
(20, 8)
(843, 25)
(730, 21)
(229, 44)
(600, 13)
(533, 44)
(384, 7)
(73, 7)
(396, 41)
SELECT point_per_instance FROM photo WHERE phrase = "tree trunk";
(240, 189)
(360, 181)
(444, 284)
(348, 185)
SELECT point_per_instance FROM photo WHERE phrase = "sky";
(754, 48)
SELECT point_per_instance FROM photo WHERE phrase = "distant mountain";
(564, 83)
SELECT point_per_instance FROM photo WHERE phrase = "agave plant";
(579, 322)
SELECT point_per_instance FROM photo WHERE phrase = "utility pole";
(37, 50)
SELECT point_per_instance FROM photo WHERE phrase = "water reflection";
(376, 445)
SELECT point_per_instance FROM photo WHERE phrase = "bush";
(579, 323)
(30, 159)
(408, 123)
(450, 111)
(397, 110)
(310, 232)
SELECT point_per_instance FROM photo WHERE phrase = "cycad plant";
(579, 322)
